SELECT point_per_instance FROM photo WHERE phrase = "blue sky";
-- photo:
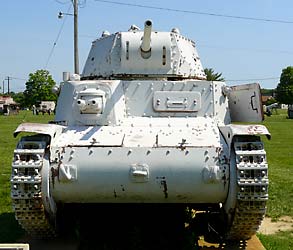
(240, 49)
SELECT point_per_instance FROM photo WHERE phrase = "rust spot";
(54, 173)
(182, 144)
(163, 183)
(224, 179)
(165, 188)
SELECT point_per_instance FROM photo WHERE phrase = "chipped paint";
(165, 188)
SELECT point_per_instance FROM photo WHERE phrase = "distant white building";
(6, 100)
(7, 104)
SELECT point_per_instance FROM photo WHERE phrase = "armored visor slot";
(164, 56)
(127, 50)
(91, 101)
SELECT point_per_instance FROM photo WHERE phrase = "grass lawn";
(279, 152)
(280, 158)
(10, 231)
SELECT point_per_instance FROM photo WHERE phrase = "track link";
(26, 193)
(252, 189)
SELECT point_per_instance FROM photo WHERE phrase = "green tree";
(39, 88)
(268, 92)
(213, 76)
(284, 90)
(19, 98)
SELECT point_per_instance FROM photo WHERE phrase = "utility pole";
(8, 85)
(75, 31)
(76, 58)
(3, 86)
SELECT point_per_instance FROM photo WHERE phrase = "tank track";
(252, 189)
(26, 193)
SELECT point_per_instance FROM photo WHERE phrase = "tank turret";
(143, 54)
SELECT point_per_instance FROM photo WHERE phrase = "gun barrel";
(146, 40)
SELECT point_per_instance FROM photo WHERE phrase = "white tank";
(142, 125)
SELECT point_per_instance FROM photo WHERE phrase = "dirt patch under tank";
(268, 226)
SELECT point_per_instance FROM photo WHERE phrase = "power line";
(66, 2)
(57, 38)
(82, 4)
(8, 79)
(199, 13)
(256, 79)
(17, 78)
(245, 49)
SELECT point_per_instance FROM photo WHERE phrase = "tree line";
(283, 94)
(39, 87)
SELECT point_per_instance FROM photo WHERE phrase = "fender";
(52, 130)
(229, 131)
